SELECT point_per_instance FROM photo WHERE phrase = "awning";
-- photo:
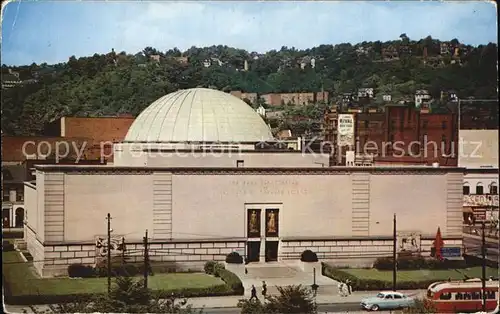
(468, 209)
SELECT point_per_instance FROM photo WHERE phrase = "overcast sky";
(51, 32)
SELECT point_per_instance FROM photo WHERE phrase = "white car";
(387, 300)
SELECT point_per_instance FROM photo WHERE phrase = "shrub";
(81, 271)
(308, 256)
(417, 262)
(209, 267)
(232, 281)
(217, 268)
(234, 258)
(383, 263)
(7, 246)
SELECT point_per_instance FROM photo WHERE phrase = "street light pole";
(394, 257)
(483, 268)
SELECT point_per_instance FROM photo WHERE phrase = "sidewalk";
(323, 298)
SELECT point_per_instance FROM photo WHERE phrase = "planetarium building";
(190, 174)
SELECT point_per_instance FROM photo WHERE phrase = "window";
(6, 196)
(459, 296)
(476, 295)
(445, 296)
(240, 163)
(493, 188)
(479, 189)
(443, 125)
(397, 296)
(20, 195)
(388, 296)
(466, 189)
(490, 295)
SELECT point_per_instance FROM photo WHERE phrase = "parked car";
(387, 300)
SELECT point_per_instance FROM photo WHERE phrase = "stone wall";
(355, 253)
(57, 258)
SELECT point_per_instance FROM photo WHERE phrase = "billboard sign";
(345, 130)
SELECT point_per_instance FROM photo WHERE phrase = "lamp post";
(394, 257)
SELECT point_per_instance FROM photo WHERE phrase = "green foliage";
(360, 284)
(209, 267)
(80, 271)
(126, 296)
(308, 256)
(234, 258)
(232, 281)
(125, 83)
(417, 262)
(291, 299)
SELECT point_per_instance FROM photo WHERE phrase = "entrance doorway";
(253, 251)
(19, 217)
(6, 218)
(271, 251)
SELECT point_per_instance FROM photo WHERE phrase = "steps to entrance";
(282, 274)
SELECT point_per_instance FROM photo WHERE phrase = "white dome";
(198, 115)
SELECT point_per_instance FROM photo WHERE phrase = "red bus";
(462, 296)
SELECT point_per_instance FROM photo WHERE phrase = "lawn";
(421, 275)
(22, 280)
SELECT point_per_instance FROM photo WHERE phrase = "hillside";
(124, 83)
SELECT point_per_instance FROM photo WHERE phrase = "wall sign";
(448, 252)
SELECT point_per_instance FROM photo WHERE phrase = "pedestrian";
(254, 294)
(246, 271)
(264, 289)
(348, 284)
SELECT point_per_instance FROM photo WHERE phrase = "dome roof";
(198, 115)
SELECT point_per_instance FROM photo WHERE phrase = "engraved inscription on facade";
(267, 187)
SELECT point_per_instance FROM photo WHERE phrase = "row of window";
(425, 123)
(476, 295)
(480, 189)
(19, 195)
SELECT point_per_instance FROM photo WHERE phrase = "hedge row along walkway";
(23, 286)
(373, 279)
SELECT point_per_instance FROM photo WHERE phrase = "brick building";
(403, 134)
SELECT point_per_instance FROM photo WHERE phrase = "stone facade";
(199, 214)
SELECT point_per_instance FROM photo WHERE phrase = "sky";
(52, 31)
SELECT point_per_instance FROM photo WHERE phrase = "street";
(322, 308)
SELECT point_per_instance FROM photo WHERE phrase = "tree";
(126, 296)
(291, 299)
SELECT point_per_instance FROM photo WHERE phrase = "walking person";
(264, 289)
(253, 294)
(348, 284)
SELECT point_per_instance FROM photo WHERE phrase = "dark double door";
(253, 251)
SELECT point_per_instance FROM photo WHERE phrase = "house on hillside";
(421, 96)
(10, 79)
(366, 92)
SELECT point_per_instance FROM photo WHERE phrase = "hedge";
(7, 246)
(232, 281)
(417, 262)
(371, 284)
(308, 256)
(234, 258)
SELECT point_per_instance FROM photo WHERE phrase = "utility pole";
(109, 252)
(483, 275)
(146, 260)
(394, 255)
